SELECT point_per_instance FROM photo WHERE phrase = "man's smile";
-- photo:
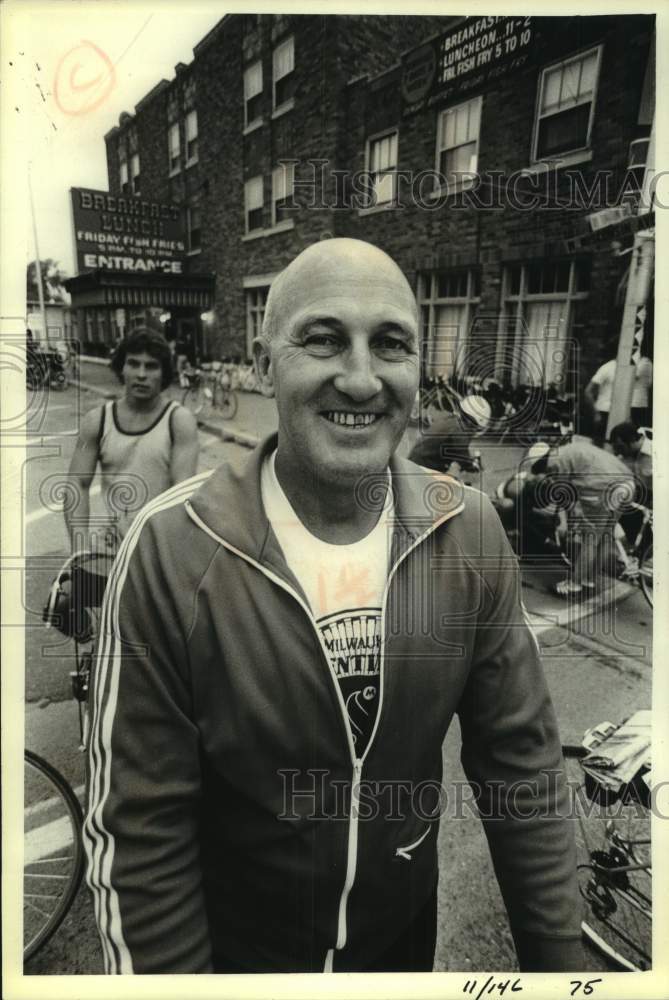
(351, 420)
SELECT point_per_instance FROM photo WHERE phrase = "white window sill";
(280, 227)
(386, 206)
(194, 253)
(568, 160)
(174, 172)
(252, 126)
(191, 163)
(448, 189)
(283, 108)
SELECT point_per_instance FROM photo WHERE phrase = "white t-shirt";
(605, 376)
(344, 585)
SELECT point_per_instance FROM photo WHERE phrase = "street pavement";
(597, 660)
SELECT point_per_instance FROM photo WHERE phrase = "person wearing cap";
(446, 444)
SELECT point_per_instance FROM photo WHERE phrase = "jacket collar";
(229, 504)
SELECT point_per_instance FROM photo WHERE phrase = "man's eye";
(321, 343)
(392, 345)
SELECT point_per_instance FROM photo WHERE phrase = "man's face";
(344, 365)
(142, 376)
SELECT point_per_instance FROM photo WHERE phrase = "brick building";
(471, 149)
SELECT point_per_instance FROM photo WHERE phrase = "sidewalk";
(256, 417)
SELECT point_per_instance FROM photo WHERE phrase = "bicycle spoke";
(50, 882)
(614, 878)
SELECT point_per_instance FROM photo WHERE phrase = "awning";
(167, 291)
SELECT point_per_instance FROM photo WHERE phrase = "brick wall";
(347, 88)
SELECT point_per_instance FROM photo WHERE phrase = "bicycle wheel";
(194, 399)
(646, 573)
(226, 401)
(53, 860)
(614, 870)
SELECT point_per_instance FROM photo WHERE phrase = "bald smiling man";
(281, 654)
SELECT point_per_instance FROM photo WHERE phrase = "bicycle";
(636, 556)
(613, 855)
(224, 398)
(197, 396)
(53, 861)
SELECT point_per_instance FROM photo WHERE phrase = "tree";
(52, 282)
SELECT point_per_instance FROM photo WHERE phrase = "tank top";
(135, 466)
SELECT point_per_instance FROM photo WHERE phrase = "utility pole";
(38, 262)
(636, 298)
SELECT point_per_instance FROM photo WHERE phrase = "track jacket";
(227, 812)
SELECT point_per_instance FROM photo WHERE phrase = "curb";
(87, 387)
(577, 611)
(229, 433)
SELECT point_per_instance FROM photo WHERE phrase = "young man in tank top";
(142, 443)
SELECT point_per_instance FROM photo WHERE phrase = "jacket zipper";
(403, 852)
(352, 848)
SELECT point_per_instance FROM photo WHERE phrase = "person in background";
(593, 487)
(599, 391)
(142, 443)
(446, 445)
(635, 448)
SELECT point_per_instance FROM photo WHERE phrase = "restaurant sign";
(473, 53)
(114, 233)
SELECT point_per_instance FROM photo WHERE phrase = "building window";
(256, 300)
(448, 301)
(382, 165)
(191, 138)
(193, 232)
(283, 72)
(174, 145)
(134, 172)
(253, 203)
(565, 105)
(253, 93)
(458, 141)
(282, 192)
(541, 299)
(189, 93)
(123, 172)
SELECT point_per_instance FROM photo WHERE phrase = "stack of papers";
(616, 759)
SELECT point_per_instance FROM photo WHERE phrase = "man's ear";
(262, 361)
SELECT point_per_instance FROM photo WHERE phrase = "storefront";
(132, 272)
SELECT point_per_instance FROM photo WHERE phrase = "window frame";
(135, 175)
(247, 228)
(252, 122)
(513, 308)
(288, 171)
(371, 141)
(289, 102)
(255, 303)
(174, 168)
(124, 177)
(461, 182)
(427, 296)
(194, 157)
(190, 249)
(559, 64)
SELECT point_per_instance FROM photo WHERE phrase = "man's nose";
(357, 378)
